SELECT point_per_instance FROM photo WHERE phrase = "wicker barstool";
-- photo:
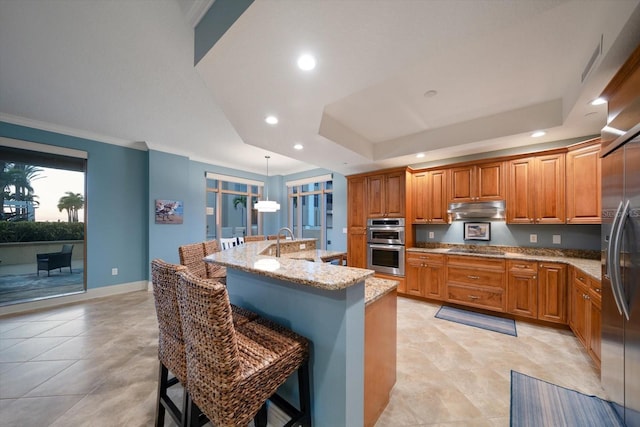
(275, 237)
(256, 238)
(233, 371)
(192, 256)
(171, 350)
(214, 271)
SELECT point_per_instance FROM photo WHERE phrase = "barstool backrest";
(254, 238)
(192, 256)
(171, 349)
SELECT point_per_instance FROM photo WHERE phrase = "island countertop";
(293, 266)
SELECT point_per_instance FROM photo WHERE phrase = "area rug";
(537, 403)
(478, 320)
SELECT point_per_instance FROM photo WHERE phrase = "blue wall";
(573, 236)
(116, 223)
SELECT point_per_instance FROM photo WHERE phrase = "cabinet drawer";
(476, 262)
(580, 277)
(475, 277)
(492, 300)
(522, 266)
(426, 258)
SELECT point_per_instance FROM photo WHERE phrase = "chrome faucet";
(278, 239)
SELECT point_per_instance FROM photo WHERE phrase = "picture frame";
(169, 211)
(477, 231)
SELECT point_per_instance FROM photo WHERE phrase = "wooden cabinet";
(586, 312)
(356, 222)
(536, 190)
(552, 292)
(425, 275)
(429, 197)
(476, 282)
(584, 184)
(522, 288)
(385, 195)
(477, 183)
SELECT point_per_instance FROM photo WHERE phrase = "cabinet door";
(522, 288)
(357, 248)
(393, 194)
(461, 184)
(356, 223)
(552, 292)
(490, 181)
(595, 328)
(413, 275)
(433, 286)
(437, 197)
(584, 186)
(419, 198)
(550, 186)
(375, 196)
(520, 191)
(579, 311)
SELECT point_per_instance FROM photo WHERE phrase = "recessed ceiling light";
(306, 62)
(298, 147)
(430, 93)
(272, 120)
(598, 101)
(538, 134)
(420, 155)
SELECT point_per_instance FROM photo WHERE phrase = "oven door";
(386, 235)
(387, 259)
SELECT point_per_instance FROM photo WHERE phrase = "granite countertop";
(315, 255)
(375, 288)
(592, 267)
(293, 266)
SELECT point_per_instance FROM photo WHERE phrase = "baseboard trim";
(104, 291)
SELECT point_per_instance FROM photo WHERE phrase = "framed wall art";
(169, 211)
(477, 231)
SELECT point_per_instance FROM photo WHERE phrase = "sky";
(50, 186)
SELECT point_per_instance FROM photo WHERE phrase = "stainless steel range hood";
(477, 210)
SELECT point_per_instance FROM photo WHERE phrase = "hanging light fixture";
(267, 205)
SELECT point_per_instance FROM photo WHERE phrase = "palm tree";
(72, 203)
(242, 201)
(18, 176)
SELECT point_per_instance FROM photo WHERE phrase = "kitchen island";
(325, 303)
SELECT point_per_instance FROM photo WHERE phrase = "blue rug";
(478, 320)
(537, 403)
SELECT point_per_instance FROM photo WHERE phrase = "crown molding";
(197, 10)
(66, 130)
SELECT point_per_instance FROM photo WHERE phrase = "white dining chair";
(230, 242)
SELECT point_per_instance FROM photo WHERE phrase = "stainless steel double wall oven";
(385, 245)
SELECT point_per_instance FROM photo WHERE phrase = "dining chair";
(192, 256)
(214, 271)
(230, 242)
(171, 350)
(233, 370)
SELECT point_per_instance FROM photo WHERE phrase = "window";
(42, 221)
(229, 207)
(311, 208)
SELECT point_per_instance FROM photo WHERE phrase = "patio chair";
(51, 261)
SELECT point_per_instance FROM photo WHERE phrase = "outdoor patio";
(20, 283)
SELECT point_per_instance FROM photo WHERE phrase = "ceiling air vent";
(596, 52)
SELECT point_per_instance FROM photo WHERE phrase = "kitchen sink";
(483, 251)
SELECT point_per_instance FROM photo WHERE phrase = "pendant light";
(267, 205)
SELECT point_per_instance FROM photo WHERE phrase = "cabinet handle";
(520, 266)
(473, 277)
(473, 297)
(581, 279)
(598, 290)
(535, 277)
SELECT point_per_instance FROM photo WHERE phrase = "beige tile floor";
(95, 364)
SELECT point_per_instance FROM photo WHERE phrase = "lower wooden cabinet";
(476, 282)
(522, 288)
(425, 275)
(552, 292)
(586, 312)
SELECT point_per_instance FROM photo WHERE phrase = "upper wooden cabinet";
(584, 184)
(479, 182)
(429, 197)
(385, 195)
(536, 190)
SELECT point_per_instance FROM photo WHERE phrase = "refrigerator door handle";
(616, 280)
(610, 265)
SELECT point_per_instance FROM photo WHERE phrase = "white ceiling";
(122, 71)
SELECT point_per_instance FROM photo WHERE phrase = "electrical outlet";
(431, 235)
(114, 271)
(344, 230)
(303, 246)
(557, 239)
(533, 238)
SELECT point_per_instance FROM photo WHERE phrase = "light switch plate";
(303, 246)
(431, 235)
(557, 239)
(114, 271)
(344, 230)
(533, 238)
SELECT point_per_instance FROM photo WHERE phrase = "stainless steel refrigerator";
(620, 356)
